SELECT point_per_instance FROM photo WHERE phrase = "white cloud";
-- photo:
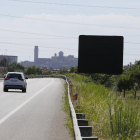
(62, 29)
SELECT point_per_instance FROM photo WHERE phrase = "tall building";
(61, 54)
(36, 54)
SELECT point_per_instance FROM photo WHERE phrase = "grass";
(124, 120)
(66, 109)
(111, 117)
(130, 94)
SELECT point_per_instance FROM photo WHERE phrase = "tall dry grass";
(111, 117)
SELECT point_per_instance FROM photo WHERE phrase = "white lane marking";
(16, 109)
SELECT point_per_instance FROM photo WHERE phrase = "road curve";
(36, 114)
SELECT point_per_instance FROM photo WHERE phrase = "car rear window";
(18, 76)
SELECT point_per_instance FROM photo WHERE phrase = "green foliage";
(15, 67)
(124, 82)
(137, 63)
(4, 62)
(48, 72)
(63, 70)
(135, 73)
(134, 78)
(33, 70)
(73, 69)
(124, 121)
(127, 81)
(136, 86)
(104, 79)
(112, 118)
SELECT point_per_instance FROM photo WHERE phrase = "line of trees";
(130, 79)
(31, 70)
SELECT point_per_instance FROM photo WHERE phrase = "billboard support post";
(83, 77)
(116, 84)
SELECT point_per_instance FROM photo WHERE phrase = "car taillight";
(21, 79)
(6, 79)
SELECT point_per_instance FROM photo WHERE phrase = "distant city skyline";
(55, 62)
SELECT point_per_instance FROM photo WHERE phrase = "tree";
(134, 73)
(136, 87)
(38, 70)
(33, 70)
(29, 70)
(4, 62)
(124, 82)
(73, 69)
(137, 62)
(63, 70)
(15, 67)
(48, 72)
(104, 79)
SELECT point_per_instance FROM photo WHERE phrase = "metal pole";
(49, 64)
(116, 84)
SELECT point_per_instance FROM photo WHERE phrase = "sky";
(55, 25)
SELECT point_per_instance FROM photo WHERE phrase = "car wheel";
(5, 90)
(24, 90)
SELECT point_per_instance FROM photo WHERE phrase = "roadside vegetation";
(112, 117)
(66, 109)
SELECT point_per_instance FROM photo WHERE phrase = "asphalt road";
(34, 115)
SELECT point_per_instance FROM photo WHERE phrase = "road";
(36, 114)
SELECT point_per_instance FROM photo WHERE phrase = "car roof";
(15, 72)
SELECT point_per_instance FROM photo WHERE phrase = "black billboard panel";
(100, 54)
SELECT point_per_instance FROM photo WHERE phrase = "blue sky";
(55, 26)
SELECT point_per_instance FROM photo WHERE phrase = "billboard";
(100, 54)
